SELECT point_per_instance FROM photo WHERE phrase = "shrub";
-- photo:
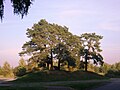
(113, 73)
(19, 71)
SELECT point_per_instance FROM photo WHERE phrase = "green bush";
(19, 71)
(113, 73)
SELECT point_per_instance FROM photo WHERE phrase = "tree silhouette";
(20, 7)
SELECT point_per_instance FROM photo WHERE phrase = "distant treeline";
(23, 68)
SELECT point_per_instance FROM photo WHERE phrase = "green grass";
(48, 76)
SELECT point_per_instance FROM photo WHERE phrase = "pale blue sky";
(99, 16)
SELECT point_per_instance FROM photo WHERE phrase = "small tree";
(22, 63)
(91, 48)
(105, 68)
(7, 70)
(1, 70)
(21, 69)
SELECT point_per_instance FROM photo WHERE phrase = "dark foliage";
(19, 71)
(20, 7)
(1, 9)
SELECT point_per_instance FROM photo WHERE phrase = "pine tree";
(44, 37)
(91, 48)
(7, 70)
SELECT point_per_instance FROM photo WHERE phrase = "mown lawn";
(49, 76)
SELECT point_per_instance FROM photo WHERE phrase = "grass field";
(48, 76)
(38, 80)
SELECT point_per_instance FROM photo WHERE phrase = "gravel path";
(114, 85)
(3, 81)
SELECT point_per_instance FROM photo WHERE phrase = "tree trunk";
(59, 58)
(78, 62)
(51, 60)
(86, 58)
(48, 66)
(85, 64)
(59, 64)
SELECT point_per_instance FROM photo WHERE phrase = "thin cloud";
(110, 26)
(69, 13)
(75, 13)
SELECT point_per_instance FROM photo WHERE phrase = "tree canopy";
(20, 7)
(49, 42)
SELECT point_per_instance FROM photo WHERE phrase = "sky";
(80, 16)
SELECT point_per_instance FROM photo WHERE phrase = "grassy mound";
(48, 76)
